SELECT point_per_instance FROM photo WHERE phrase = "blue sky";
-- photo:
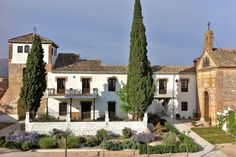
(100, 29)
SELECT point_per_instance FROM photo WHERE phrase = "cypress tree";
(140, 82)
(34, 78)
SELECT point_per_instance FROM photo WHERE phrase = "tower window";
(20, 49)
(206, 62)
(27, 48)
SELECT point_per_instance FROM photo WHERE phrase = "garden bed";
(158, 140)
(214, 135)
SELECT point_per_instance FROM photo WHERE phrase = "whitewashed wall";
(174, 105)
(100, 81)
(86, 128)
(21, 58)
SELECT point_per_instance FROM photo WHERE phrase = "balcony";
(169, 93)
(71, 93)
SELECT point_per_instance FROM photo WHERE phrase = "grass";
(214, 135)
(3, 125)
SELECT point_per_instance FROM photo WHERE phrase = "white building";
(86, 89)
(90, 87)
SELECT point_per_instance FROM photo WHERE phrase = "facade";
(216, 78)
(86, 89)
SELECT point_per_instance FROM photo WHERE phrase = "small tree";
(123, 95)
(34, 78)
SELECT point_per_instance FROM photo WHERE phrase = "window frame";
(183, 88)
(112, 84)
(205, 62)
(26, 47)
(64, 111)
(184, 108)
(18, 48)
(164, 90)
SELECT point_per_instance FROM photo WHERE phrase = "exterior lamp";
(95, 91)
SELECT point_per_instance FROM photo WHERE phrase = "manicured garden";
(214, 135)
(157, 139)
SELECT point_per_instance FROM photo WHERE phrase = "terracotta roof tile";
(28, 38)
(224, 57)
(72, 63)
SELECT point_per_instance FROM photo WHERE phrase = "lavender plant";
(144, 137)
(21, 136)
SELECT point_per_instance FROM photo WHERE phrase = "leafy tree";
(140, 82)
(34, 78)
(123, 95)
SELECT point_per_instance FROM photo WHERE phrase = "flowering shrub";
(144, 137)
(21, 136)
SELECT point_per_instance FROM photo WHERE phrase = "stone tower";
(18, 49)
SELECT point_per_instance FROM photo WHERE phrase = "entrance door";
(206, 103)
(112, 109)
(86, 110)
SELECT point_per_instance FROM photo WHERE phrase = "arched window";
(206, 62)
(27, 48)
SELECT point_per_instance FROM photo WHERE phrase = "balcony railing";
(71, 92)
(165, 93)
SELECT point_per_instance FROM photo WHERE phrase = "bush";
(231, 121)
(25, 146)
(92, 141)
(112, 145)
(21, 136)
(2, 141)
(194, 122)
(12, 145)
(73, 142)
(153, 118)
(207, 119)
(102, 134)
(192, 146)
(127, 132)
(118, 145)
(22, 126)
(170, 138)
(130, 144)
(48, 142)
(144, 137)
(171, 128)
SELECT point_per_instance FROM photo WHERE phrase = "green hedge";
(119, 145)
(171, 128)
(160, 149)
(232, 127)
(48, 142)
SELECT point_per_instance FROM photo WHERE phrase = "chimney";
(208, 44)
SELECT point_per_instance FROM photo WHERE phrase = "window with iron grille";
(206, 62)
(184, 106)
(20, 49)
(62, 109)
(27, 48)
(112, 84)
(184, 85)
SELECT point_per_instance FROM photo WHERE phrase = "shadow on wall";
(109, 96)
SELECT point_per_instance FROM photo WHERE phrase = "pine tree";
(140, 82)
(34, 78)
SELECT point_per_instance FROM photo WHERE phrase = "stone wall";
(206, 81)
(228, 93)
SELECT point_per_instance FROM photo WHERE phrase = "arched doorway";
(206, 103)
